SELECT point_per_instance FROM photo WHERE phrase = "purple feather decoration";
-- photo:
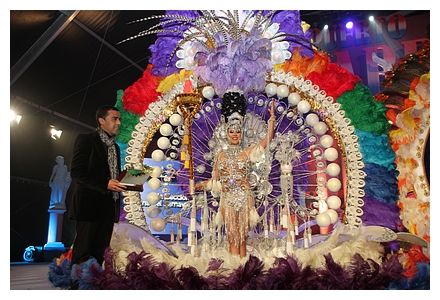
(143, 272)
(214, 264)
(242, 64)
(163, 63)
(246, 277)
(60, 276)
(191, 279)
(85, 273)
(380, 214)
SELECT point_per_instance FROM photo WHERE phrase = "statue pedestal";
(55, 229)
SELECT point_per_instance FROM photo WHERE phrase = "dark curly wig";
(233, 102)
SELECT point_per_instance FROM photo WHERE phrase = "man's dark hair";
(102, 112)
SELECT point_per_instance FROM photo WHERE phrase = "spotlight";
(14, 117)
(55, 133)
(325, 27)
(349, 25)
(371, 18)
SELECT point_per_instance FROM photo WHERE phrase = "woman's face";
(234, 136)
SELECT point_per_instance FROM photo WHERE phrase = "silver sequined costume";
(236, 197)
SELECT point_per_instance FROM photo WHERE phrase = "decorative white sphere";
(334, 202)
(157, 171)
(153, 198)
(154, 183)
(334, 184)
(166, 129)
(277, 56)
(293, 99)
(333, 169)
(333, 215)
(163, 143)
(175, 119)
(326, 141)
(271, 89)
(201, 169)
(189, 61)
(282, 91)
(323, 220)
(190, 51)
(304, 106)
(320, 128)
(153, 211)
(157, 155)
(158, 224)
(312, 119)
(208, 92)
(331, 154)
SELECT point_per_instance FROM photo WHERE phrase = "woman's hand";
(200, 186)
(272, 110)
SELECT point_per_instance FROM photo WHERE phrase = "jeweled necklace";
(232, 151)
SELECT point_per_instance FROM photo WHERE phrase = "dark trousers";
(92, 238)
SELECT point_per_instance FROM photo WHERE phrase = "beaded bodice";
(233, 168)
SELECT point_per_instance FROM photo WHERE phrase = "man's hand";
(115, 186)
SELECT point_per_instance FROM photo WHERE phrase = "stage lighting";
(371, 18)
(55, 133)
(14, 117)
(349, 25)
(325, 27)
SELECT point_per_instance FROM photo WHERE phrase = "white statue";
(59, 182)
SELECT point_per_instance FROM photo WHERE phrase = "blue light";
(371, 18)
(325, 27)
(349, 25)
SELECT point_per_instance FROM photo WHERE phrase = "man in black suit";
(96, 192)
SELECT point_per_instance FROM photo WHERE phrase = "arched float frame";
(344, 133)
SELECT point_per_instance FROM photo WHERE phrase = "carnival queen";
(230, 174)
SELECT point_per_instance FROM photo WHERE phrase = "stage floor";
(30, 276)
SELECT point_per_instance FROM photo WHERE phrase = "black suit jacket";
(91, 200)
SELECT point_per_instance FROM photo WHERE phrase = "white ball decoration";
(277, 56)
(282, 91)
(158, 224)
(153, 198)
(208, 92)
(331, 154)
(304, 106)
(157, 171)
(334, 202)
(166, 129)
(333, 215)
(333, 169)
(326, 141)
(312, 119)
(175, 119)
(201, 169)
(163, 143)
(189, 61)
(334, 184)
(293, 99)
(153, 211)
(157, 155)
(154, 183)
(271, 89)
(323, 220)
(320, 128)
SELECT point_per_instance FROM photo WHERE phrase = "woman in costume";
(230, 174)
